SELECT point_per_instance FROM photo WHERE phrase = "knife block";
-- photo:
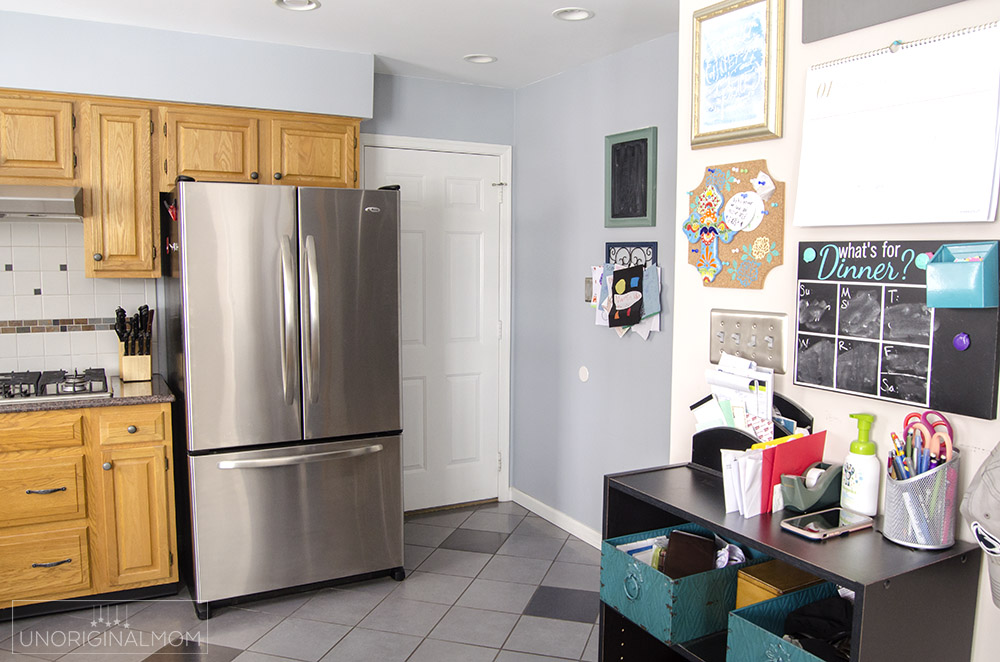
(134, 368)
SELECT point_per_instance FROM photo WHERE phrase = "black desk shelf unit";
(910, 604)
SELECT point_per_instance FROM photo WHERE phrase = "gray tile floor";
(492, 583)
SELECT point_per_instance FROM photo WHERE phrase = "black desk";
(910, 604)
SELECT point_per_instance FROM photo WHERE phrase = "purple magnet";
(961, 342)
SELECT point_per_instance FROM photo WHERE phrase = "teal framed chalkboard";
(630, 179)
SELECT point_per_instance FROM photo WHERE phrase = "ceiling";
(421, 38)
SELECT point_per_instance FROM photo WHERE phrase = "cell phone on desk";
(826, 523)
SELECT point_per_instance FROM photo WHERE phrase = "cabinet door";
(137, 546)
(210, 145)
(36, 139)
(314, 152)
(119, 232)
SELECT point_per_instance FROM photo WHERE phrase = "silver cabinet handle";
(106, 466)
(290, 460)
(51, 565)
(47, 491)
(287, 318)
(312, 321)
(132, 429)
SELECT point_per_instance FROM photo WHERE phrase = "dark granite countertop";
(154, 391)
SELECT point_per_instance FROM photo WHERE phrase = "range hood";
(41, 203)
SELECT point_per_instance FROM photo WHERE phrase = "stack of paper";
(750, 477)
(745, 396)
(602, 299)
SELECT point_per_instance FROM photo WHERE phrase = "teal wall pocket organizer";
(963, 276)
(755, 631)
(672, 610)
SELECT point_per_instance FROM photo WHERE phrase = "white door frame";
(504, 152)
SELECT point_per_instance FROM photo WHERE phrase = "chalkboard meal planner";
(863, 328)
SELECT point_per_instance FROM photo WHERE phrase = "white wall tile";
(74, 236)
(78, 283)
(27, 307)
(8, 345)
(6, 283)
(55, 282)
(7, 307)
(82, 305)
(132, 286)
(5, 234)
(8, 364)
(82, 342)
(25, 258)
(105, 304)
(107, 285)
(30, 344)
(55, 307)
(26, 282)
(82, 361)
(75, 258)
(56, 343)
(107, 342)
(109, 362)
(31, 363)
(51, 258)
(24, 234)
(4, 256)
(131, 302)
(52, 234)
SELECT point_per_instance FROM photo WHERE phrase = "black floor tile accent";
(473, 540)
(185, 651)
(567, 604)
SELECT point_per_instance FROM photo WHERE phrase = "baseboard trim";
(560, 519)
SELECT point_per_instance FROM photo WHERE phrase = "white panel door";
(450, 269)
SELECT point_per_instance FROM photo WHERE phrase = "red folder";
(791, 457)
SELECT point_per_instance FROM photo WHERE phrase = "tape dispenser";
(818, 487)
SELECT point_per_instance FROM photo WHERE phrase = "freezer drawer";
(272, 519)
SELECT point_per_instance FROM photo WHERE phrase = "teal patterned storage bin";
(755, 631)
(672, 610)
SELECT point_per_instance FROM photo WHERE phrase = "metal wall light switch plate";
(749, 334)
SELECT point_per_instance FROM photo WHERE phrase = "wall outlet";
(750, 335)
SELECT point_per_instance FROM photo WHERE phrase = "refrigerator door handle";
(312, 321)
(287, 318)
(290, 460)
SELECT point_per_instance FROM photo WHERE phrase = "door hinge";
(154, 257)
(170, 557)
(164, 129)
(499, 328)
(355, 176)
(164, 166)
(499, 462)
(166, 464)
(152, 127)
(72, 120)
(74, 160)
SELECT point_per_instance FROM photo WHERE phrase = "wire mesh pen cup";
(920, 511)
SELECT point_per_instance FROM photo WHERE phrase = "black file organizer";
(705, 445)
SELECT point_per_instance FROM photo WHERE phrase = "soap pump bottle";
(862, 472)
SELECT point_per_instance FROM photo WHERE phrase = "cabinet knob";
(106, 466)
(254, 175)
(277, 175)
(98, 257)
(132, 429)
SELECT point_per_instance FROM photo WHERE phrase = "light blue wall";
(65, 55)
(567, 434)
(422, 108)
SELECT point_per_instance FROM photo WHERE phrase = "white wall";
(567, 434)
(423, 108)
(65, 55)
(690, 356)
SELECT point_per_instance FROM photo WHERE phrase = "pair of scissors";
(936, 434)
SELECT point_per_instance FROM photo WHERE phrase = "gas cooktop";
(20, 387)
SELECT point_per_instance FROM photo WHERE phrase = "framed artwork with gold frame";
(737, 72)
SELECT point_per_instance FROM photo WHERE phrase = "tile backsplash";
(51, 316)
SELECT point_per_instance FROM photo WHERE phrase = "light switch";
(740, 332)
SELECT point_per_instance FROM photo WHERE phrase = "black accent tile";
(187, 651)
(472, 540)
(63, 267)
(38, 291)
(8, 267)
(567, 604)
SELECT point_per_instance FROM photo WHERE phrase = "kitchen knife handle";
(312, 321)
(287, 318)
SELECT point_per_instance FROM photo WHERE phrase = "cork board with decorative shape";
(736, 225)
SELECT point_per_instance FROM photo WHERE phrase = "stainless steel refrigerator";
(282, 342)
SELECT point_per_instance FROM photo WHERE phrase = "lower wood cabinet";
(89, 507)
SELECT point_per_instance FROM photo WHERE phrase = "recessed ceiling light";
(480, 58)
(573, 14)
(298, 5)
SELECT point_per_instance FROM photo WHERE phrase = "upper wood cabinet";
(314, 152)
(217, 145)
(119, 236)
(36, 140)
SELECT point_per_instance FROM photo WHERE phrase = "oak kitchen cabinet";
(233, 145)
(123, 152)
(86, 502)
